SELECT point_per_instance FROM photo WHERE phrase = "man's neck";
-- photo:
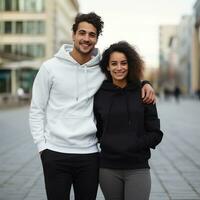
(80, 58)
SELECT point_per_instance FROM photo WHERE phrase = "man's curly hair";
(91, 18)
(135, 62)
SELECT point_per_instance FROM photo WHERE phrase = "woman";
(126, 127)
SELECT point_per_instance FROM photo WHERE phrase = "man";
(61, 114)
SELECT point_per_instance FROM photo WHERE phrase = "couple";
(66, 130)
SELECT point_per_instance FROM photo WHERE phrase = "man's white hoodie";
(61, 112)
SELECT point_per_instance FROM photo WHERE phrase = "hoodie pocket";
(117, 144)
(73, 130)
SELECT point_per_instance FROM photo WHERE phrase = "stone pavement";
(175, 164)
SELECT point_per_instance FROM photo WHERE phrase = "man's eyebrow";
(81, 30)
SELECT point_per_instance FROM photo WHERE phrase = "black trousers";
(62, 170)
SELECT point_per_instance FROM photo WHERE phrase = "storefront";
(17, 75)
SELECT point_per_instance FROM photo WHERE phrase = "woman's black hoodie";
(126, 127)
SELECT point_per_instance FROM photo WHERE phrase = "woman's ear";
(108, 68)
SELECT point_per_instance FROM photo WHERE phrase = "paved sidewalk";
(175, 164)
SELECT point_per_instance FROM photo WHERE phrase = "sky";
(137, 22)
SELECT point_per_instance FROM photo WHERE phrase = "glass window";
(8, 5)
(7, 48)
(1, 5)
(35, 28)
(30, 50)
(26, 5)
(8, 27)
(24, 27)
(1, 27)
(18, 49)
(40, 50)
(36, 50)
(40, 5)
(17, 5)
(29, 27)
(32, 5)
(24, 50)
(19, 27)
(41, 27)
(14, 49)
(21, 5)
(1, 48)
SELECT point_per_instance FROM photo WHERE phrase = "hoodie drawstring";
(86, 80)
(86, 83)
(109, 110)
(128, 109)
(77, 85)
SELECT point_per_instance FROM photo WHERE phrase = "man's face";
(85, 38)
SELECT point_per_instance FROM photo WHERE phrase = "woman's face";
(118, 67)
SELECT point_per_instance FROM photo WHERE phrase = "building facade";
(185, 53)
(31, 31)
(167, 56)
(196, 48)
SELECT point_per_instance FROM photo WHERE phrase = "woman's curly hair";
(135, 62)
(91, 18)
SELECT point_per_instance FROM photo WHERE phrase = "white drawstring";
(86, 79)
(77, 85)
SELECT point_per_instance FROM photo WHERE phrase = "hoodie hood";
(93, 64)
(109, 86)
(116, 91)
(64, 53)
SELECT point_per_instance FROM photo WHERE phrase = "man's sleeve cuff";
(143, 82)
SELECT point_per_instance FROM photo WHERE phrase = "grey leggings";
(125, 184)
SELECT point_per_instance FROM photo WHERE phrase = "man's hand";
(148, 94)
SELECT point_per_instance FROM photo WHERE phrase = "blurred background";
(166, 34)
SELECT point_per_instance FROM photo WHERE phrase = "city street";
(175, 164)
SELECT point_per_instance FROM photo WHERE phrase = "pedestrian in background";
(177, 93)
(61, 113)
(198, 93)
(126, 127)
